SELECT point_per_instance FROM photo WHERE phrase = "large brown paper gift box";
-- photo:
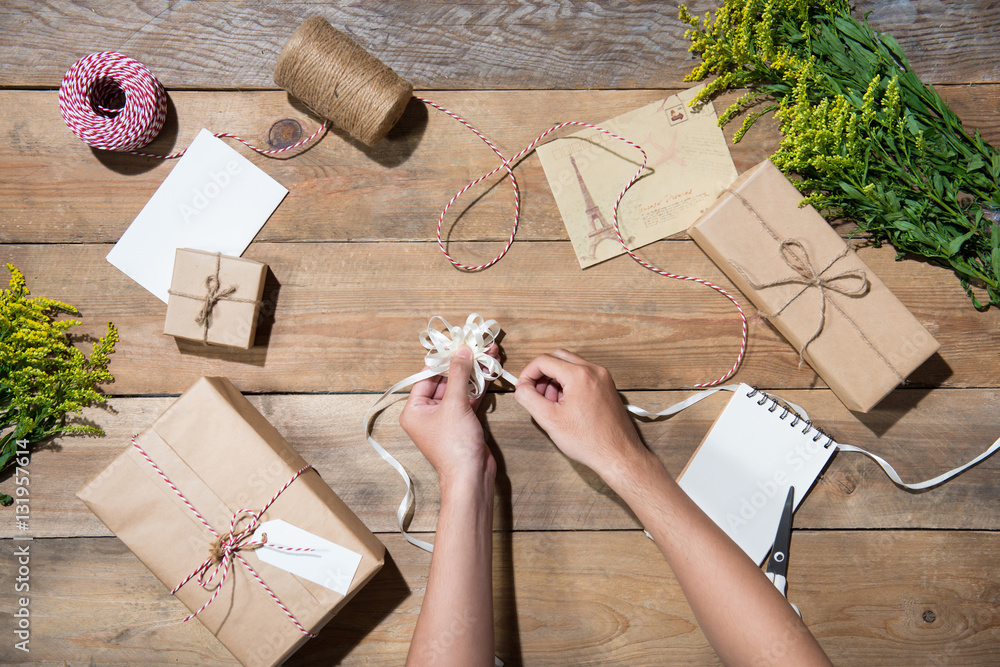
(224, 456)
(233, 317)
(868, 343)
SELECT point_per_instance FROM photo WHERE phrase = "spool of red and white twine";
(112, 102)
(115, 103)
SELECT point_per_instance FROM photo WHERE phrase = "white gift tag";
(328, 564)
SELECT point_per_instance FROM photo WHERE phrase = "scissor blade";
(778, 563)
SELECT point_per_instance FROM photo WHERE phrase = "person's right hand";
(577, 404)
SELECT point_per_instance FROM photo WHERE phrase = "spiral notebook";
(741, 472)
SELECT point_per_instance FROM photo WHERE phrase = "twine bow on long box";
(851, 283)
(802, 276)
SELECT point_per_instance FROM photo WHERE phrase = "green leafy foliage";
(43, 377)
(870, 141)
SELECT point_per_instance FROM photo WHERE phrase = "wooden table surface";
(882, 576)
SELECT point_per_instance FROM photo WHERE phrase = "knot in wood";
(284, 133)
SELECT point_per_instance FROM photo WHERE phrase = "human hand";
(441, 420)
(577, 404)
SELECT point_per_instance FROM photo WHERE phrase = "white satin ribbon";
(677, 407)
(926, 484)
(885, 465)
(478, 335)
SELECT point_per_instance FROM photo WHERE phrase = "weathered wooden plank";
(340, 189)
(344, 317)
(528, 44)
(922, 433)
(561, 598)
(55, 189)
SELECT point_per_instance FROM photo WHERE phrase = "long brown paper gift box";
(866, 347)
(224, 456)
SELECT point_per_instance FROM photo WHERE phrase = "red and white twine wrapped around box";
(226, 550)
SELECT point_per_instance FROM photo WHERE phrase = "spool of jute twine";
(338, 79)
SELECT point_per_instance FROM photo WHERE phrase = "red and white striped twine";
(507, 165)
(114, 103)
(230, 545)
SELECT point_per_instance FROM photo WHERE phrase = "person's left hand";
(441, 420)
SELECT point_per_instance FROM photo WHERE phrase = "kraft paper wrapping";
(234, 318)
(223, 456)
(861, 362)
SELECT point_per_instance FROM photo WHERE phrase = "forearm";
(744, 617)
(455, 626)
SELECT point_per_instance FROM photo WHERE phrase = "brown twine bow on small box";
(213, 295)
(795, 255)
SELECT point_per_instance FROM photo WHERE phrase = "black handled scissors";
(777, 565)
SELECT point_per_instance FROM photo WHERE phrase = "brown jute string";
(797, 258)
(338, 79)
(213, 295)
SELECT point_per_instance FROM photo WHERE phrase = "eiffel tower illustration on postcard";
(601, 233)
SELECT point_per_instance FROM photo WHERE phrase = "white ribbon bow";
(478, 335)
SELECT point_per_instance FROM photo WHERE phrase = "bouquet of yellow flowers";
(43, 377)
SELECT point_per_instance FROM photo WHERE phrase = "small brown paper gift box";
(214, 299)
(224, 456)
(860, 339)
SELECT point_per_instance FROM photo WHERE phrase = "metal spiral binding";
(764, 398)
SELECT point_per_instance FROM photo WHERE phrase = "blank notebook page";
(741, 472)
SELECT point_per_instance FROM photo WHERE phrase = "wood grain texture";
(444, 45)
(921, 433)
(561, 599)
(883, 576)
(344, 317)
(340, 190)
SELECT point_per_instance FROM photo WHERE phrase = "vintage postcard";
(689, 166)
